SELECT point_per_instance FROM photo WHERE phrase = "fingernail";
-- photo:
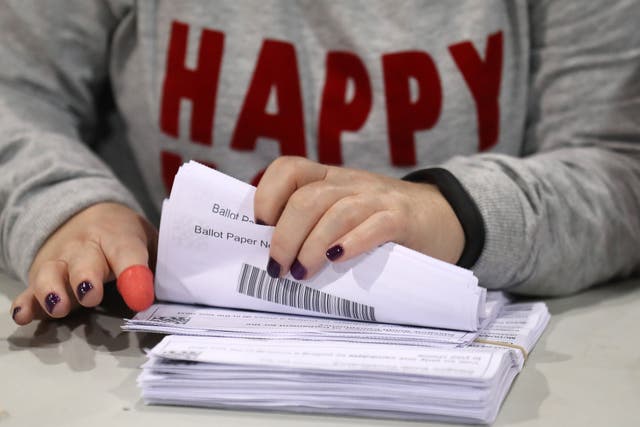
(260, 222)
(84, 288)
(50, 301)
(15, 312)
(297, 270)
(334, 252)
(273, 268)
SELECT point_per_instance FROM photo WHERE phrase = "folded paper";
(211, 252)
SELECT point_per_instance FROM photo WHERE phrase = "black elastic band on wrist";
(463, 206)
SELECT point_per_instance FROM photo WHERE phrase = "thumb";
(135, 284)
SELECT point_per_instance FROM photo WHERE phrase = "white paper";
(207, 237)
(373, 380)
(519, 326)
(211, 321)
(290, 354)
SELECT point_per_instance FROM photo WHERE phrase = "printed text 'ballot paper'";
(211, 252)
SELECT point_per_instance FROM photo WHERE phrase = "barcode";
(255, 282)
(178, 320)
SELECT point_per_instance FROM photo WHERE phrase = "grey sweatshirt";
(529, 111)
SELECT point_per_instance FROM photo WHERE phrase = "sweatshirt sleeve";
(54, 64)
(566, 215)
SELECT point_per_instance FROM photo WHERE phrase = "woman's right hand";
(93, 247)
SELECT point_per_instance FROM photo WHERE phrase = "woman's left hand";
(325, 212)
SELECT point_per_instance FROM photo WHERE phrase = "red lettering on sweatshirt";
(169, 162)
(198, 85)
(345, 103)
(483, 79)
(404, 115)
(337, 114)
(277, 70)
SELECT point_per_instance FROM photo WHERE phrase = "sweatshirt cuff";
(35, 219)
(500, 205)
(463, 206)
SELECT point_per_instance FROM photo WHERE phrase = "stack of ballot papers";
(427, 379)
(390, 333)
(211, 252)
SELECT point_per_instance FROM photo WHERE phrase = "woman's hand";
(91, 248)
(331, 212)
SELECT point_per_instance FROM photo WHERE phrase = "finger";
(25, 308)
(128, 257)
(303, 210)
(88, 269)
(281, 179)
(135, 284)
(51, 290)
(381, 227)
(124, 250)
(345, 215)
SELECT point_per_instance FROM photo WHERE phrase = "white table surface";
(81, 371)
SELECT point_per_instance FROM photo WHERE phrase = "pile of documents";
(248, 360)
(391, 333)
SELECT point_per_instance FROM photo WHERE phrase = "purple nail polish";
(335, 252)
(297, 270)
(273, 268)
(15, 312)
(50, 301)
(260, 222)
(83, 288)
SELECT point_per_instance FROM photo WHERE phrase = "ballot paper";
(352, 378)
(220, 322)
(212, 253)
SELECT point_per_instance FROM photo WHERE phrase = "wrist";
(462, 206)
